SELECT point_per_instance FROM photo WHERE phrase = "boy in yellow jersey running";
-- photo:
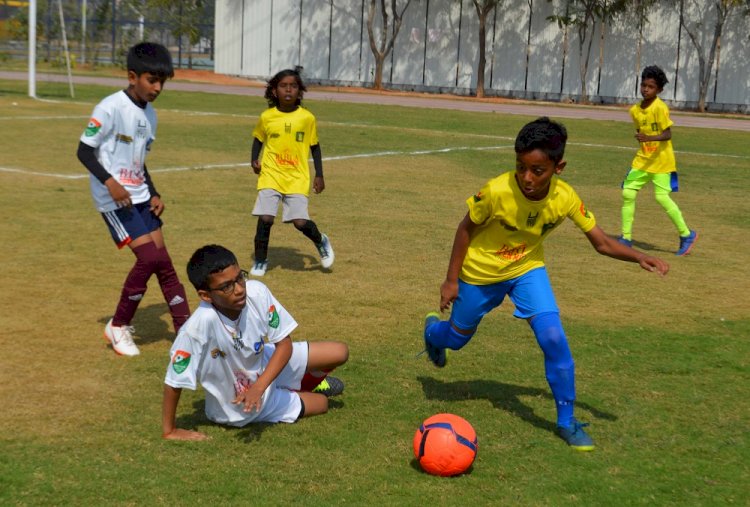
(287, 133)
(654, 161)
(498, 251)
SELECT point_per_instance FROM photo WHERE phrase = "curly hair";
(655, 73)
(543, 134)
(272, 99)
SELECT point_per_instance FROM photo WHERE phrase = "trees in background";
(381, 41)
(483, 8)
(583, 16)
(707, 45)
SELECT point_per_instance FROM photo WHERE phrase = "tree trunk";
(482, 53)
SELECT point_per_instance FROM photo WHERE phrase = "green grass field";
(663, 364)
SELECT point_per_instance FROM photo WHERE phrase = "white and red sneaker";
(121, 339)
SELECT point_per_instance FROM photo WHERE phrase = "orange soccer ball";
(445, 444)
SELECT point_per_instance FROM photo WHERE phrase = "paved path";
(421, 100)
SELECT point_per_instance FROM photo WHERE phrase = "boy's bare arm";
(169, 430)
(664, 136)
(449, 289)
(251, 397)
(610, 247)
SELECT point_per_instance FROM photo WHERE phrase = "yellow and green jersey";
(286, 139)
(512, 228)
(653, 156)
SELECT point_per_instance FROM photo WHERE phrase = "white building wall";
(347, 38)
(734, 74)
(228, 41)
(256, 35)
(409, 49)
(437, 49)
(315, 52)
(285, 35)
(508, 52)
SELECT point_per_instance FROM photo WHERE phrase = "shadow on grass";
(642, 245)
(294, 259)
(503, 397)
(247, 434)
(150, 328)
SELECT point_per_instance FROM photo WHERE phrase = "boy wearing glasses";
(237, 344)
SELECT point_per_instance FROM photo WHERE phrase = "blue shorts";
(531, 293)
(127, 224)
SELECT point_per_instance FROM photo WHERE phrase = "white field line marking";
(247, 164)
(379, 127)
(335, 158)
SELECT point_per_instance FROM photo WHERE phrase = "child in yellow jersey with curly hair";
(287, 134)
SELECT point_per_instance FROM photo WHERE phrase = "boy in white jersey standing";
(654, 161)
(237, 344)
(113, 148)
(498, 251)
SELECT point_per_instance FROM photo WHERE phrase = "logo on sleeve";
(584, 211)
(273, 317)
(92, 128)
(180, 361)
(478, 197)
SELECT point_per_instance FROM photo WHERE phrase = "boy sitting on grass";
(237, 344)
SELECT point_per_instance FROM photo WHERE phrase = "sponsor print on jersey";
(122, 138)
(92, 128)
(180, 361)
(286, 159)
(217, 352)
(131, 177)
(300, 137)
(273, 317)
(512, 253)
(243, 380)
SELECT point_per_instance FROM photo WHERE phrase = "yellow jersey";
(512, 228)
(286, 139)
(653, 156)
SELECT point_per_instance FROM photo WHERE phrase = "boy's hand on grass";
(180, 434)
(654, 264)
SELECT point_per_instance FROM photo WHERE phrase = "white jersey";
(228, 356)
(122, 133)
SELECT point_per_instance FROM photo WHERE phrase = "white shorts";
(283, 403)
(294, 205)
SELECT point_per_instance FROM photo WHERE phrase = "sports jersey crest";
(584, 211)
(180, 361)
(92, 128)
(273, 317)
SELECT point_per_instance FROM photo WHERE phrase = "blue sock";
(441, 334)
(558, 364)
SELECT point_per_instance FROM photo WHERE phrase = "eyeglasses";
(228, 287)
